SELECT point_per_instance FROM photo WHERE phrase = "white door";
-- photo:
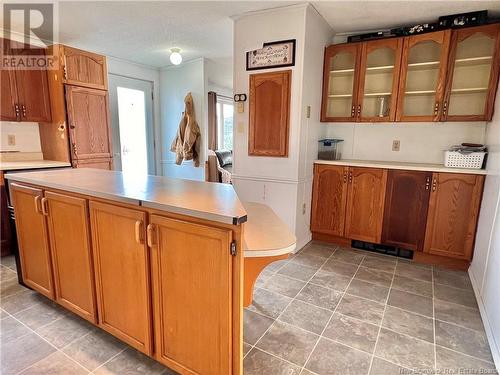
(131, 105)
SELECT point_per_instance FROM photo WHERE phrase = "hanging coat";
(186, 144)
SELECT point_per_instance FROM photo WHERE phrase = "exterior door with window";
(225, 110)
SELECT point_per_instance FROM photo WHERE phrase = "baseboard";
(303, 243)
(495, 349)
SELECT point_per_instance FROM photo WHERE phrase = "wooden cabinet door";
(94, 163)
(192, 284)
(453, 213)
(405, 212)
(340, 83)
(378, 80)
(33, 92)
(88, 117)
(365, 204)
(82, 68)
(32, 239)
(68, 227)
(329, 199)
(423, 72)
(121, 263)
(5, 230)
(269, 113)
(472, 81)
(9, 110)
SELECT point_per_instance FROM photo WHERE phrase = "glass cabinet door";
(472, 78)
(340, 82)
(379, 78)
(424, 64)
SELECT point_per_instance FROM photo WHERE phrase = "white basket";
(455, 159)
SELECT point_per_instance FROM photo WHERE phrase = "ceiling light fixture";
(175, 56)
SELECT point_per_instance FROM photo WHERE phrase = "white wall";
(485, 268)
(175, 83)
(420, 142)
(26, 133)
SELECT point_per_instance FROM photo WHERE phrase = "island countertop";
(204, 200)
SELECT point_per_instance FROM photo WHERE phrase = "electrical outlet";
(241, 127)
(396, 145)
(11, 139)
(303, 208)
(308, 111)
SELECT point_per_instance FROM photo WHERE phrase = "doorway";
(131, 105)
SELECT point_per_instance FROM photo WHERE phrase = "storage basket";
(455, 159)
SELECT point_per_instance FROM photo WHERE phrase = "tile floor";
(327, 310)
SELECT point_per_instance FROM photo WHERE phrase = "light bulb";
(175, 56)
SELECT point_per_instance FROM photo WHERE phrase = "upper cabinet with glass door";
(340, 82)
(472, 74)
(423, 74)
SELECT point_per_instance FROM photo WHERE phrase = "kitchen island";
(156, 262)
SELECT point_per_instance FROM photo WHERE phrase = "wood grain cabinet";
(329, 199)
(71, 253)
(269, 117)
(453, 212)
(32, 239)
(191, 259)
(121, 264)
(405, 212)
(82, 68)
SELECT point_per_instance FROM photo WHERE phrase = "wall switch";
(240, 107)
(308, 111)
(395, 145)
(11, 139)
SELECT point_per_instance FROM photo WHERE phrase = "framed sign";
(272, 55)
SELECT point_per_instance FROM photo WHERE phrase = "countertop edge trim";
(269, 253)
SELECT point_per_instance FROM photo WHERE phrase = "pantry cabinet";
(121, 264)
(32, 238)
(190, 259)
(453, 212)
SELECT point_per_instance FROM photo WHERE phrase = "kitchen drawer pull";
(138, 231)
(434, 185)
(45, 208)
(37, 204)
(436, 108)
(24, 110)
(150, 233)
(16, 109)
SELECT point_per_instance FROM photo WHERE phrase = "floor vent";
(382, 249)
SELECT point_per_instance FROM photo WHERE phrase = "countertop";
(204, 200)
(401, 165)
(265, 233)
(31, 164)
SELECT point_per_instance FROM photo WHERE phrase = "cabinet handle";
(445, 107)
(45, 208)
(16, 109)
(37, 204)
(345, 177)
(138, 231)
(150, 233)
(427, 183)
(73, 145)
(353, 108)
(350, 177)
(65, 71)
(436, 108)
(359, 110)
(24, 110)
(434, 184)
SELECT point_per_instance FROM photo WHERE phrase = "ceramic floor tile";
(450, 362)
(131, 362)
(284, 285)
(319, 250)
(297, 271)
(413, 271)
(254, 326)
(367, 290)
(374, 276)
(352, 332)
(455, 295)
(259, 363)
(41, 314)
(7, 274)
(264, 275)
(457, 314)
(341, 268)
(65, 330)
(404, 350)
(268, 303)
(406, 284)
(10, 329)
(20, 301)
(463, 340)
(276, 266)
(382, 367)
(94, 349)
(319, 296)
(8, 261)
(348, 256)
(55, 364)
(360, 308)
(246, 348)
(411, 302)
(309, 260)
(382, 264)
(331, 280)
(306, 316)
(288, 342)
(10, 287)
(408, 323)
(22, 352)
(456, 279)
(333, 358)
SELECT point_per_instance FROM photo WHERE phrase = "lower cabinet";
(365, 204)
(406, 205)
(453, 212)
(192, 260)
(121, 263)
(32, 239)
(69, 233)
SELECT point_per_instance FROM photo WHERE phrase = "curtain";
(212, 120)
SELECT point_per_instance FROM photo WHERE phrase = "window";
(224, 123)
